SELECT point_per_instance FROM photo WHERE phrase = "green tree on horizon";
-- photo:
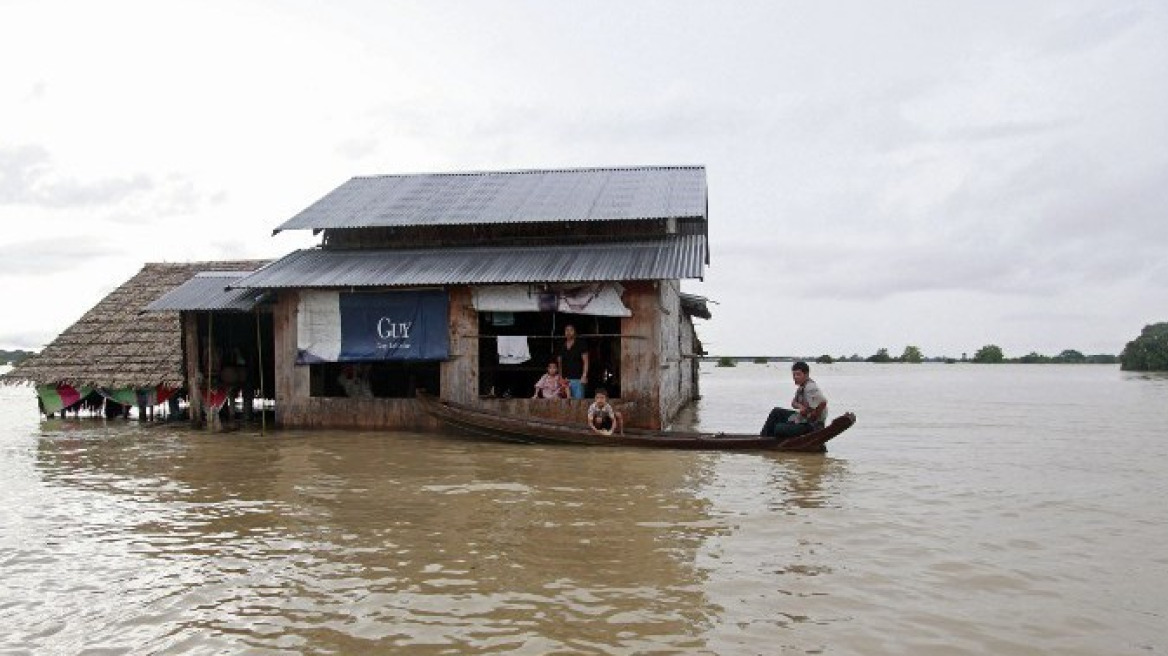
(911, 354)
(1148, 352)
(1071, 356)
(989, 354)
(881, 355)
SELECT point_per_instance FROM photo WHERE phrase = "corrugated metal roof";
(208, 291)
(600, 194)
(672, 257)
(695, 306)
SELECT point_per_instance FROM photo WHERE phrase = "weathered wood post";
(194, 384)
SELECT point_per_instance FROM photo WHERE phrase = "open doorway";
(238, 351)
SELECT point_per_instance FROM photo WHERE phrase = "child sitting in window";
(551, 385)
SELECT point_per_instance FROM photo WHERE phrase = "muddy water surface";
(974, 509)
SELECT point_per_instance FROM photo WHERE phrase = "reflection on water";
(345, 540)
(967, 512)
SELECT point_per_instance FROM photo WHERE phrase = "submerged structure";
(460, 284)
(115, 352)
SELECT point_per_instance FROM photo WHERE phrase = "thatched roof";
(114, 345)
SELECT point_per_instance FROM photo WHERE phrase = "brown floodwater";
(973, 509)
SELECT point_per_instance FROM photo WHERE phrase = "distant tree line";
(14, 357)
(988, 354)
(1148, 352)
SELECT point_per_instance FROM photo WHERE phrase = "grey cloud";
(358, 147)
(1063, 195)
(1096, 28)
(229, 250)
(45, 256)
(691, 121)
(1004, 130)
(879, 267)
(27, 341)
(171, 196)
(1027, 218)
(37, 92)
(27, 178)
(667, 122)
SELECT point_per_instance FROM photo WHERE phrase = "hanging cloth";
(513, 349)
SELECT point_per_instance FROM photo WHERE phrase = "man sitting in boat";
(602, 417)
(551, 385)
(809, 408)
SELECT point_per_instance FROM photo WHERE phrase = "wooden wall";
(460, 374)
(363, 414)
(640, 359)
(296, 408)
(291, 382)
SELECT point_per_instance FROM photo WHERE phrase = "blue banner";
(394, 326)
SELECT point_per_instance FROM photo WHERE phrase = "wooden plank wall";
(297, 408)
(363, 414)
(291, 382)
(640, 358)
(460, 374)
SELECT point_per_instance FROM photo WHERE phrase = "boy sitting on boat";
(602, 417)
(551, 385)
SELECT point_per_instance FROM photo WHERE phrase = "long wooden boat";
(531, 430)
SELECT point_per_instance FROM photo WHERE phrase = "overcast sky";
(940, 174)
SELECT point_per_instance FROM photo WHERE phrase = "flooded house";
(461, 284)
(458, 285)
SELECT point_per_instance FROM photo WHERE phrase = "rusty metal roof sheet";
(667, 258)
(695, 306)
(594, 194)
(208, 291)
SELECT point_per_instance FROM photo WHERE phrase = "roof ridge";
(569, 169)
(206, 262)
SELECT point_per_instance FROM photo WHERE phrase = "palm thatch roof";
(114, 345)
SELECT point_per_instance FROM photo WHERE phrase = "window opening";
(374, 380)
(545, 336)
